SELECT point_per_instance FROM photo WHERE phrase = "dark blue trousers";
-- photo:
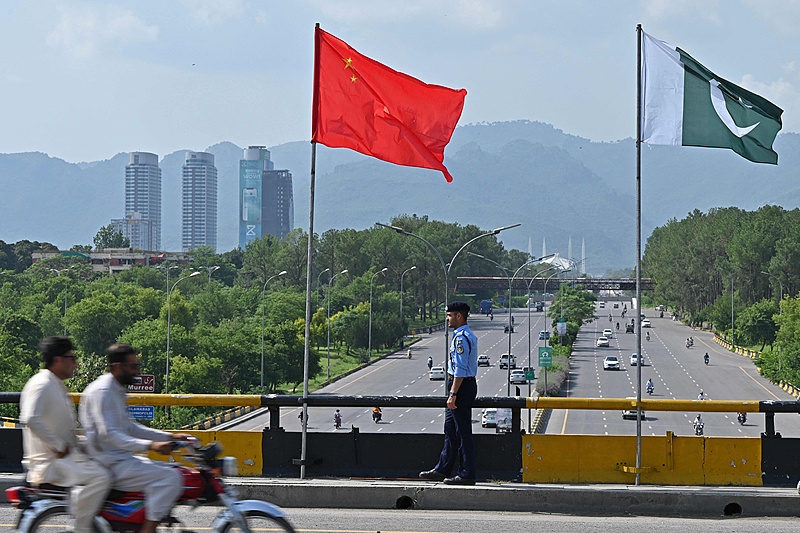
(458, 442)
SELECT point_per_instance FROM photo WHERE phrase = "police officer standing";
(461, 370)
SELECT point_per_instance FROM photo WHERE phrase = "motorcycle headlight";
(230, 466)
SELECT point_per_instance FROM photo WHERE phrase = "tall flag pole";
(638, 250)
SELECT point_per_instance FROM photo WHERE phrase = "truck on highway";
(486, 307)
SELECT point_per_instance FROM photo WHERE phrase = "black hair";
(117, 353)
(52, 347)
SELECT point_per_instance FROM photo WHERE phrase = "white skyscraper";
(142, 222)
(199, 201)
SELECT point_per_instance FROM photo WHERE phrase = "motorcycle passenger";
(52, 452)
(698, 423)
(114, 437)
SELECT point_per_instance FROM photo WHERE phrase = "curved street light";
(369, 342)
(401, 288)
(446, 269)
(169, 321)
(262, 321)
(510, 323)
(319, 277)
(211, 270)
(330, 280)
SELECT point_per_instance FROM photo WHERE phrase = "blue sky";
(84, 80)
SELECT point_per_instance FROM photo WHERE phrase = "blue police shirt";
(463, 353)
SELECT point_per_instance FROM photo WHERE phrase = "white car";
(483, 360)
(436, 373)
(607, 333)
(489, 417)
(637, 359)
(517, 377)
(630, 414)
(646, 323)
(504, 361)
(611, 363)
(602, 305)
(602, 342)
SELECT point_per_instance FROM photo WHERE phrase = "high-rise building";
(199, 201)
(266, 201)
(142, 222)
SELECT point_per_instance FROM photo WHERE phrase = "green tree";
(108, 237)
(756, 324)
(96, 322)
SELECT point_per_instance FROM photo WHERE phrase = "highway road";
(677, 372)
(417, 521)
(397, 375)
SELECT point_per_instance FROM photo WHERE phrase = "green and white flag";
(685, 104)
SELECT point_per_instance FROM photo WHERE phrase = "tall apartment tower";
(266, 201)
(199, 201)
(142, 222)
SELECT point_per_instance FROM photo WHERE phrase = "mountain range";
(560, 187)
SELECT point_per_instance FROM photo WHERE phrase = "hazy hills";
(557, 185)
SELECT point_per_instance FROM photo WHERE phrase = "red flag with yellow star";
(370, 108)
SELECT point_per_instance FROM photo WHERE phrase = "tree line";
(215, 318)
(731, 264)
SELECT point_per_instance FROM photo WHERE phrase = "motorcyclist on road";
(650, 387)
(702, 396)
(648, 335)
(430, 362)
(337, 418)
(698, 422)
(617, 326)
(705, 358)
(409, 353)
(741, 417)
(376, 414)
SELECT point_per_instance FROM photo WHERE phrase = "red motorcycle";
(46, 508)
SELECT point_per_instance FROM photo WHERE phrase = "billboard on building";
(250, 193)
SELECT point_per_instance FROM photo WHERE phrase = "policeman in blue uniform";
(462, 366)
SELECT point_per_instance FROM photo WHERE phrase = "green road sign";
(529, 375)
(545, 356)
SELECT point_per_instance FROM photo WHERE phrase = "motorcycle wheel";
(261, 521)
(57, 520)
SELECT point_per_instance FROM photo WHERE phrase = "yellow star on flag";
(348, 63)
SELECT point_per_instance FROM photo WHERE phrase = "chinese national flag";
(368, 107)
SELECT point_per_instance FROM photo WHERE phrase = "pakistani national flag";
(686, 104)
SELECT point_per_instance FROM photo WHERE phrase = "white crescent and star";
(718, 101)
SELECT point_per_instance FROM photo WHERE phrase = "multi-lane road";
(678, 373)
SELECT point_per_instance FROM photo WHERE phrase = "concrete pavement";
(586, 500)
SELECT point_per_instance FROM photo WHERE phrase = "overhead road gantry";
(521, 283)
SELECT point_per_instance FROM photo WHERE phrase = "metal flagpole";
(306, 346)
(638, 249)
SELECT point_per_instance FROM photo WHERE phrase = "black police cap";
(457, 307)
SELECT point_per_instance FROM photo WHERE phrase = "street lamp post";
(330, 280)
(369, 342)
(529, 333)
(262, 321)
(401, 288)
(445, 268)
(169, 320)
(319, 277)
(167, 268)
(510, 320)
(211, 270)
(58, 273)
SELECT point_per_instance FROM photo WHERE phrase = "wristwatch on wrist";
(452, 393)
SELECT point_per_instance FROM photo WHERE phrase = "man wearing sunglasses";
(52, 451)
(115, 437)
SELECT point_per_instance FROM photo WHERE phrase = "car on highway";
(607, 333)
(637, 360)
(611, 362)
(616, 305)
(489, 417)
(628, 328)
(504, 361)
(602, 342)
(544, 335)
(646, 323)
(436, 373)
(517, 376)
(483, 360)
(630, 414)
(602, 305)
